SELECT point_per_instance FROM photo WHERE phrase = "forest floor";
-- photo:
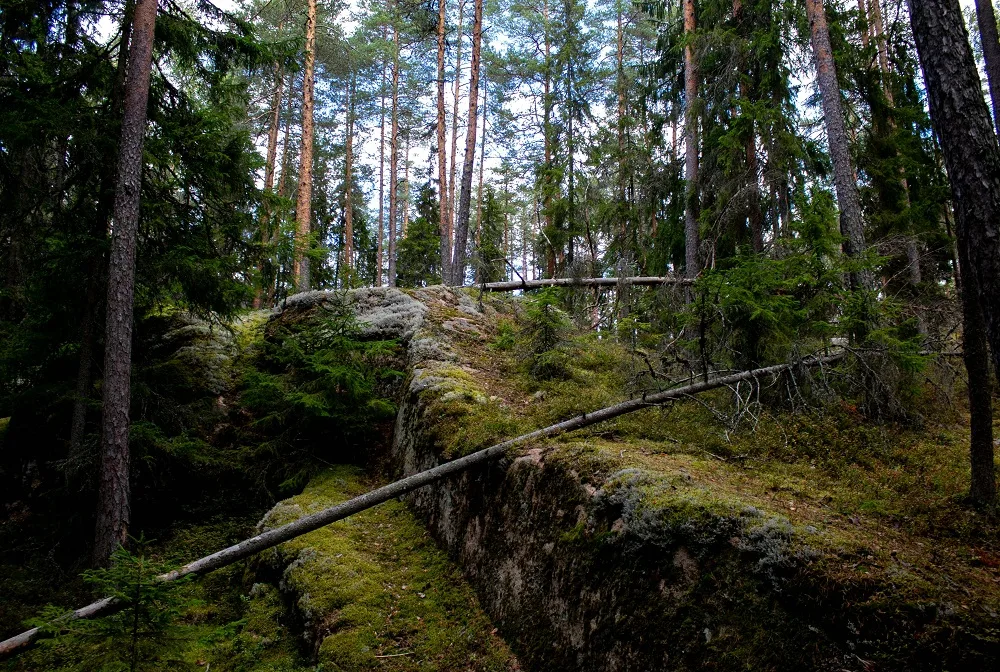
(387, 598)
(883, 501)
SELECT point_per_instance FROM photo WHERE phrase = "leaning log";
(314, 521)
(514, 285)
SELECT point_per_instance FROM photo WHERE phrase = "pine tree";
(114, 497)
(972, 157)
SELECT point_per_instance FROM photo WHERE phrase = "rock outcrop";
(586, 561)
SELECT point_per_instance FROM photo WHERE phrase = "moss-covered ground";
(883, 504)
(376, 592)
(372, 593)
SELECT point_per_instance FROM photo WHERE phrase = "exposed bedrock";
(586, 563)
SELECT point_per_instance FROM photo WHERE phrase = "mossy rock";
(375, 592)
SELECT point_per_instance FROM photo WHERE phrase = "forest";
(267, 264)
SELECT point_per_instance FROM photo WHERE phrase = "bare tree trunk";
(912, 251)
(479, 193)
(454, 144)
(114, 504)
(972, 158)
(549, 139)
(465, 199)
(274, 127)
(406, 187)
(442, 148)
(987, 20)
(303, 199)
(349, 183)
(863, 15)
(381, 175)
(975, 354)
(620, 85)
(848, 198)
(692, 239)
(756, 214)
(287, 135)
(394, 157)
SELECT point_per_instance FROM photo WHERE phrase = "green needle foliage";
(144, 635)
(317, 394)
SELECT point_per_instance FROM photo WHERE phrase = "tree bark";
(479, 192)
(114, 505)
(349, 183)
(863, 15)
(394, 158)
(303, 199)
(381, 174)
(442, 146)
(287, 137)
(912, 250)
(848, 198)
(756, 214)
(548, 135)
(620, 86)
(975, 354)
(266, 222)
(692, 263)
(987, 19)
(972, 159)
(406, 188)
(465, 199)
(454, 143)
(324, 517)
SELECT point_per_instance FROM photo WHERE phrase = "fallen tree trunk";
(513, 285)
(314, 521)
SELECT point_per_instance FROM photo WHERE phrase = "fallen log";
(314, 521)
(514, 285)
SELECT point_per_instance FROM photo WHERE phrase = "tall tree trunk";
(114, 505)
(394, 158)
(442, 147)
(620, 86)
(464, 201)
(266, 221)
(548, 134)
(848, 198)
(863, 15)
(303, 199)
(570, 84)
(912, 251)
(381, 174)
(987, 20)
(349, 182)
(976, 356)
(756, 215)
(406, 188)
(282, 183)
(692, 263)
(972, 158)
(878, 30)
(454, 143)
(479, 192)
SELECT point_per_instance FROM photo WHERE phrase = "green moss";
(376, 590)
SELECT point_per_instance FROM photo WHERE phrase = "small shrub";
(544, 329)
(144, 635)
(316, 393)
